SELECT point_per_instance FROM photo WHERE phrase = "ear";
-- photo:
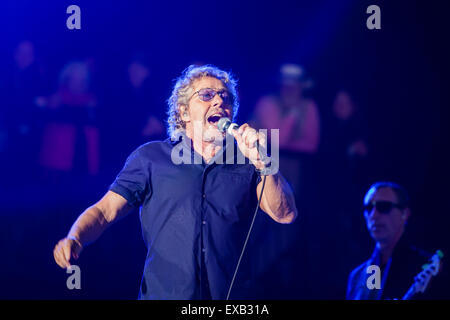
(184, 113)
(405, 214)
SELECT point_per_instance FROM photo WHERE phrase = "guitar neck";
(411, 292)
(423, 278)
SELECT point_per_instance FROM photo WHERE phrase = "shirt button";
(204, 196)
(203, 249)
(204, 222)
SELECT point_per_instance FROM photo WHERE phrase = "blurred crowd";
(53, 129)
(49, 131)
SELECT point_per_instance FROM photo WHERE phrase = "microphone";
(225, 125)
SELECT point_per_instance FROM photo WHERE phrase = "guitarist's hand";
(66, 249)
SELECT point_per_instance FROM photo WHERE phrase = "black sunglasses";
(207, 94)
(382, 206)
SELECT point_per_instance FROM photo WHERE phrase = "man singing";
(195, 215)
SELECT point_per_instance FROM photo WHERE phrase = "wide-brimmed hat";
(294, 73)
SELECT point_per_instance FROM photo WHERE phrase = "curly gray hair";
(182, 91)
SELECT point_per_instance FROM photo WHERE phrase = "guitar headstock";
(430, 269)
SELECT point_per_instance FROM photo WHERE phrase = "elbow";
(102, 218)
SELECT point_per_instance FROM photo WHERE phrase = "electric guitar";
(422, 280)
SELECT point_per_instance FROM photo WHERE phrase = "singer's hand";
(246, 138)
(65, 250)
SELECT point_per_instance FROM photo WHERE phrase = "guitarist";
(391, 269)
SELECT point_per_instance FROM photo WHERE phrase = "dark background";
(398, 75)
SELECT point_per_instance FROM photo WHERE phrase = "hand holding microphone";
(250, 142)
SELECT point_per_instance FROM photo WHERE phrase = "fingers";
(262, 138)
(238, 137)
(67, 252)
(249, 135)
(76, 247)
(60, 258)
(63, 252)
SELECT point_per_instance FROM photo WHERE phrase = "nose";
(372, 214)
(217, 101)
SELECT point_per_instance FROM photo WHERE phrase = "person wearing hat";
(288, 110)
(297, 119)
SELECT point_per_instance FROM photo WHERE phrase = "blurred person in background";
(344, 173)
(20, 115)
(70, 142)
(289, 110)
(138, 104)
(298, 120)
(296, 117)
(345, 133)
(146, 116)
(345, 151)
(342, 159)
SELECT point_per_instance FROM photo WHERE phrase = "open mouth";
(214, 118)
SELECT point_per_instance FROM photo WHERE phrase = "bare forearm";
(89, 226)
(278, 199)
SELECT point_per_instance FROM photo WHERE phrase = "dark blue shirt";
(194, 216)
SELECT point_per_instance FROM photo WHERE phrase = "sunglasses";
(207, 94)
(384, 207)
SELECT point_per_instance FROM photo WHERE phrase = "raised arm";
(278, 199)
(89, 226)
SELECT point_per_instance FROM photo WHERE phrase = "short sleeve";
(133, 181)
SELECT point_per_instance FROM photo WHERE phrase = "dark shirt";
(194, 218)
(405, 263)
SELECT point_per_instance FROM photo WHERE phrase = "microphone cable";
(248, 236)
